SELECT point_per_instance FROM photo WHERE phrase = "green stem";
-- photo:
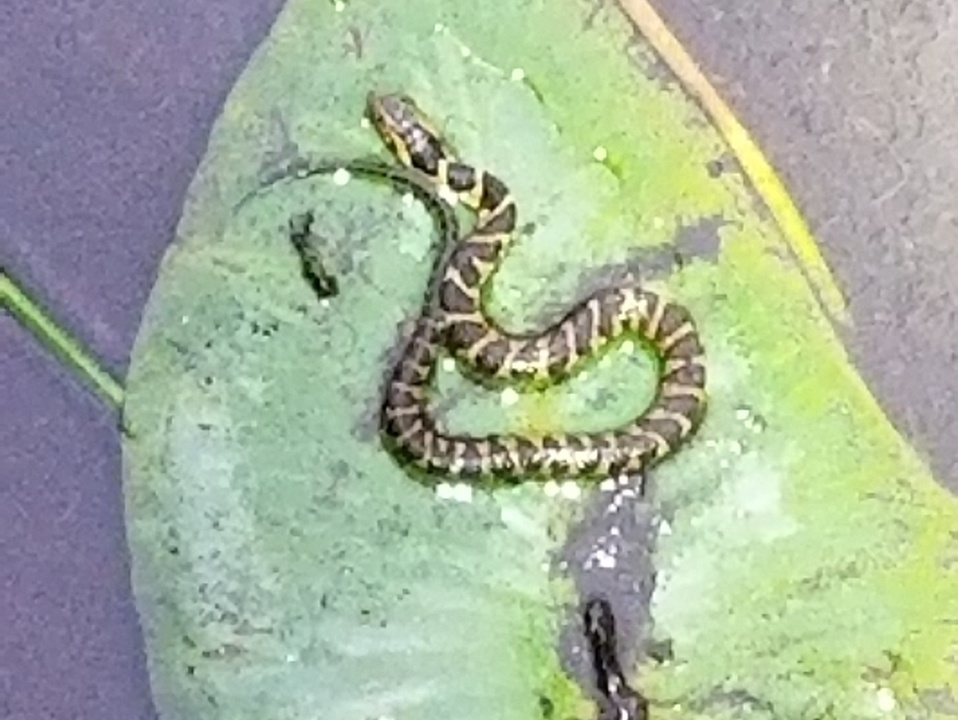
(37, 321)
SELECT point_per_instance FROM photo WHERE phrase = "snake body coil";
(454, 318)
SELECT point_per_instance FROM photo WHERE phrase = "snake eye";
(406, 102)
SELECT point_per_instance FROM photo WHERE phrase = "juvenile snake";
(454, 318)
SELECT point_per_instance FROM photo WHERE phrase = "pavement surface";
(106, 110)
(854, 103)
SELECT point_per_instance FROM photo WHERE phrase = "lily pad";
(285, 567)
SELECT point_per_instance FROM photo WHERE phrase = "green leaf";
(285, 567)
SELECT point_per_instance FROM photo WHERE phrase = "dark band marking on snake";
(454, 319)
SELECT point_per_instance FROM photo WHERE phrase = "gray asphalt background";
(105, 106)
(855, 105)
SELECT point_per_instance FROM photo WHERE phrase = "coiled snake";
(454, 318)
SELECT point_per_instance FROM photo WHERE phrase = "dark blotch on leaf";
(660, 650)
(714, 168)
(313, 268)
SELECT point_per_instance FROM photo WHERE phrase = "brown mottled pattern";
(494, 191)
(503, 222)
(453, 299)
(459, 324)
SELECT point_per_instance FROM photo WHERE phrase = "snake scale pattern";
(453, 318)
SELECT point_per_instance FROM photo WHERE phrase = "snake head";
(406, 131)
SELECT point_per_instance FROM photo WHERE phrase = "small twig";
(624, 703)
(323, 283)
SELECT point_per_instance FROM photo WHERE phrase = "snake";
(450, 317)
(453, 318)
